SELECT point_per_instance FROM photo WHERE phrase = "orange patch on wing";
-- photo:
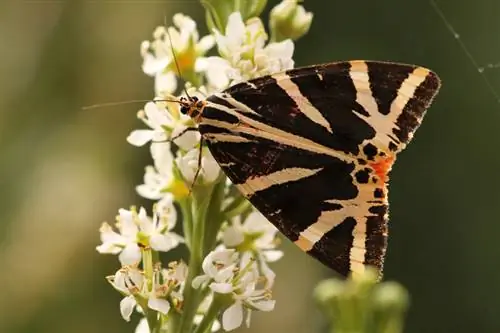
(382, 167)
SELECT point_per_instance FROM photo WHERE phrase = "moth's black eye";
(194, 99)
(184, 109)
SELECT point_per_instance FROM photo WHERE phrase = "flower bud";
(289, 20)
(360, 304)
(390, 302)
(218, 11)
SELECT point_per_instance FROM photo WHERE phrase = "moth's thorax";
(192, 107)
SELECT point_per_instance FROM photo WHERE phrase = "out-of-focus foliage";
(64, 170)
(362, 304)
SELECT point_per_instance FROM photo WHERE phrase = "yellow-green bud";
(390, 303)
(289, 20)
(217, 11)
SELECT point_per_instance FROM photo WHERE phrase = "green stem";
(151, 315)
(192, 296)
(187, 220)
(147, 263)
(210, 316)
(238, 206)
(173, 321)
(214, 217)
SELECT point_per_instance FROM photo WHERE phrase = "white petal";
(162, 156)
(235, 29)
(136, 276)
(211, 168)
(205, 44)
(118, 282)
(268, 274)
(152, 65)
(233, 316)
(187, 164)
(233, 236)
(221, 288)
(215, 326)
(147, 224)
(267, 305)
(272, 255)
(249, 315)
(130, 255)
(108, 248)
(187, 140)
(158, 304)
(199, 280)
(112, 242)
(127, 225)
(157, 116)
(216, 70)
(164, 243)
(127, 307)
(283, 50)
(256, 222)
(165, 202)
(142, 327)
(148, 192)
(165, 83)
(139, 138)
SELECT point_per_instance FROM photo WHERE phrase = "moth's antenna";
(95, 106)
(175, 58)
(465, 49)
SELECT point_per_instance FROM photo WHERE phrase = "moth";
(312, 147)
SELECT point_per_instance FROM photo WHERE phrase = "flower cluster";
(230, 245)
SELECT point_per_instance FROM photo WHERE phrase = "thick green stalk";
(201, 196)
(187, 220)
(214, 217)
(238, 206)
(209, 317)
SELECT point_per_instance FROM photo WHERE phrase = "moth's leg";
(198, 169)
(184, 131)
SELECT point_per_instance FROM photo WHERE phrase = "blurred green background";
(64, 170)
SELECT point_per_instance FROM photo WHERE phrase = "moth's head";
(192, 107)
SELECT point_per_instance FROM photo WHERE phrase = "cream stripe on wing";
(284, 176)
(384, 124)
(284, 82)
(225, 137)
(358, 248)
(327, 221)
(407, 89)
(259, 129)
(361, 81)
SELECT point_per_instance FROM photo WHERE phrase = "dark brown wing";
(311, 149)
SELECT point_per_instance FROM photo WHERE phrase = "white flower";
(246, 296)
(131, 283)
(256, 240)
(174, 278)
(165, 122)
(224, 277)
(187, 47)
(244, 53)
(158, 178)
(142, 327)
(188, 165)
(138, 229)
(218, 266)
